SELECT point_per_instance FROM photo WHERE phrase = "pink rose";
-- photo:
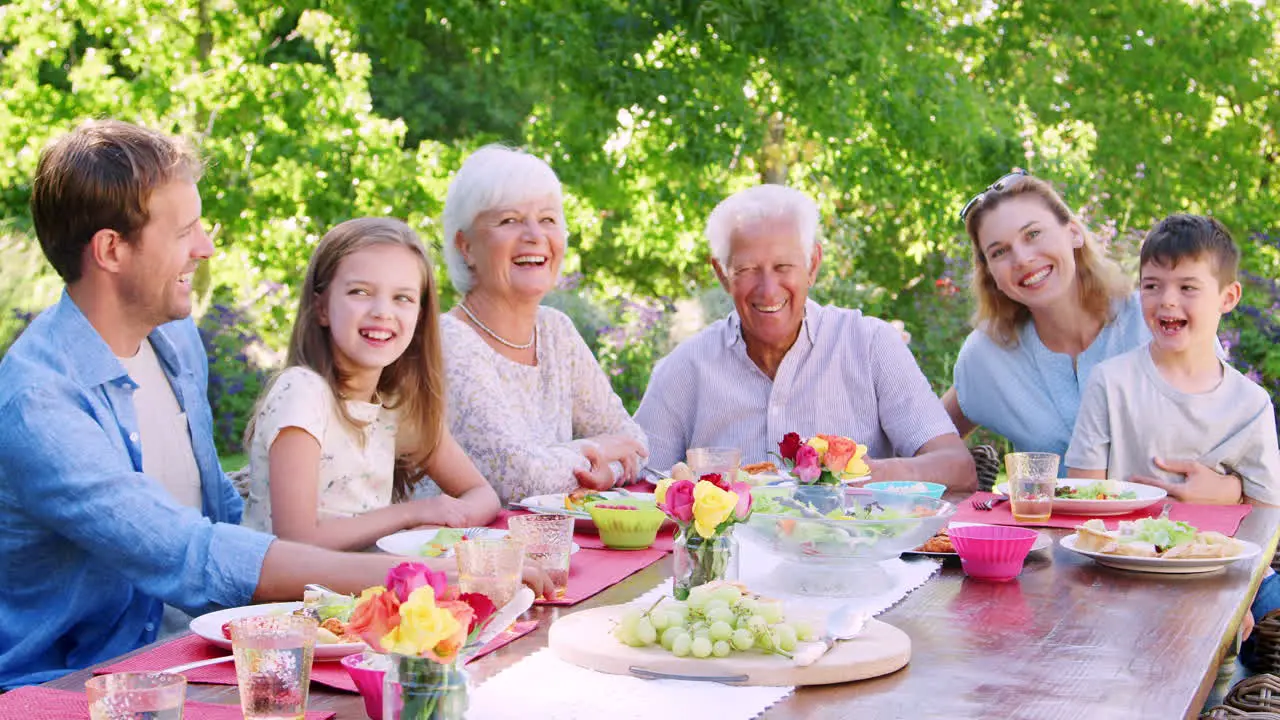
(807, 468)
(404, 578)
(678, 502)
(743, 509)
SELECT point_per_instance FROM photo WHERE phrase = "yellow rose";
(660, 492)
(818, 444)
(422, 626)
(857, 467)
(711, 506)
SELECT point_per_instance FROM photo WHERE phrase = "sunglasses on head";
(996, 186)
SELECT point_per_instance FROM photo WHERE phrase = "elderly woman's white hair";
(762, 202)
(493, 176)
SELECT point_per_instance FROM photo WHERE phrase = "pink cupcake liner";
(992, 552)
(368, 682)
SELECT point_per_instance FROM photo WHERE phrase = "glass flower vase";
(700, 560)
(417, 688)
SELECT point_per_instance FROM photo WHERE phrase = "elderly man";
(782, 363)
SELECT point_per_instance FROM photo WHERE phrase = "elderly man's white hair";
(762, 202)
(493, 176)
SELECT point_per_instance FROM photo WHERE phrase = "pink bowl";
(992, 552)
(368, 682)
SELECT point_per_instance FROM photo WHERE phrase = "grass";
(231, 463)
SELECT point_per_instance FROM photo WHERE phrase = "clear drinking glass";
(722, 460)
(1033, 477)
(136, 696)
(490, 567)
(273, 656)
(548, 541)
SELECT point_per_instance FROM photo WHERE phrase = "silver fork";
(987, 504)
(473, 533)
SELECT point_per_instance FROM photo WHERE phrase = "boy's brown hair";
(100, 176)
(1182, 237)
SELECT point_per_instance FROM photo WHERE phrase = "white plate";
(1043, 542)
(410, 541)
(553, 504)
(1179, 566)
(1147, 496)
(209, 627)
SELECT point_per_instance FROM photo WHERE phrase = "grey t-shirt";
(1129, 414)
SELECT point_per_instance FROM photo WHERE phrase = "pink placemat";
(191, 648)
(591, 571)
(515, 632)
(43, 703)
(1220, 518)
(588, 540)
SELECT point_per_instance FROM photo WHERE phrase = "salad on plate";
(1100, 490)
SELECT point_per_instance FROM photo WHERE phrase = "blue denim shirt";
(90, 547)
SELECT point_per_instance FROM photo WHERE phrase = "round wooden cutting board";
(585, 638)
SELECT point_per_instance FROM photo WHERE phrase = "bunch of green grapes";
(714, 622)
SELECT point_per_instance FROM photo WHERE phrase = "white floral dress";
(521, 425)
(355, 473)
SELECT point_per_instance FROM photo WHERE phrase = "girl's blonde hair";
(413, 384)
(1099, 279)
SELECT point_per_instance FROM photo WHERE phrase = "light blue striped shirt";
(846, 374)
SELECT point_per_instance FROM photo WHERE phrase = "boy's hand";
(1202, 485)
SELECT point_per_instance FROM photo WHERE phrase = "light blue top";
(91, 548)
(1030, 394)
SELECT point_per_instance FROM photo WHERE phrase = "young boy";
(1173, 404)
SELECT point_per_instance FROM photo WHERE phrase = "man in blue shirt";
(91, 545)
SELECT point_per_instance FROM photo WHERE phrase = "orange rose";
(840, 450)
(377, 613)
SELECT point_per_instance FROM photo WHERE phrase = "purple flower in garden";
(570, 281)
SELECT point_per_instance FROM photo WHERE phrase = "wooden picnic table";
(1068, 639)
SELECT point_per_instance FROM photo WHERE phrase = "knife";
(647, 674)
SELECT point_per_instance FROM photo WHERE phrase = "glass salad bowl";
(858, 525)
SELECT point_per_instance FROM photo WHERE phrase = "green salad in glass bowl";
(867, 525)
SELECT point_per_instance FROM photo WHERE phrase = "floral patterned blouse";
(522, 425)
(355, 476)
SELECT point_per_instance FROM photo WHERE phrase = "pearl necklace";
(496, 336)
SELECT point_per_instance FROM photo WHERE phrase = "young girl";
(363, 376)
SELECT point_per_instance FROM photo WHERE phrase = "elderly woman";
(783, 363)
(527, 400)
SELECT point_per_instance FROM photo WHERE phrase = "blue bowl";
(909, 487)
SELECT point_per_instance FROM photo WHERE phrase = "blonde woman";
(1050, 307)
